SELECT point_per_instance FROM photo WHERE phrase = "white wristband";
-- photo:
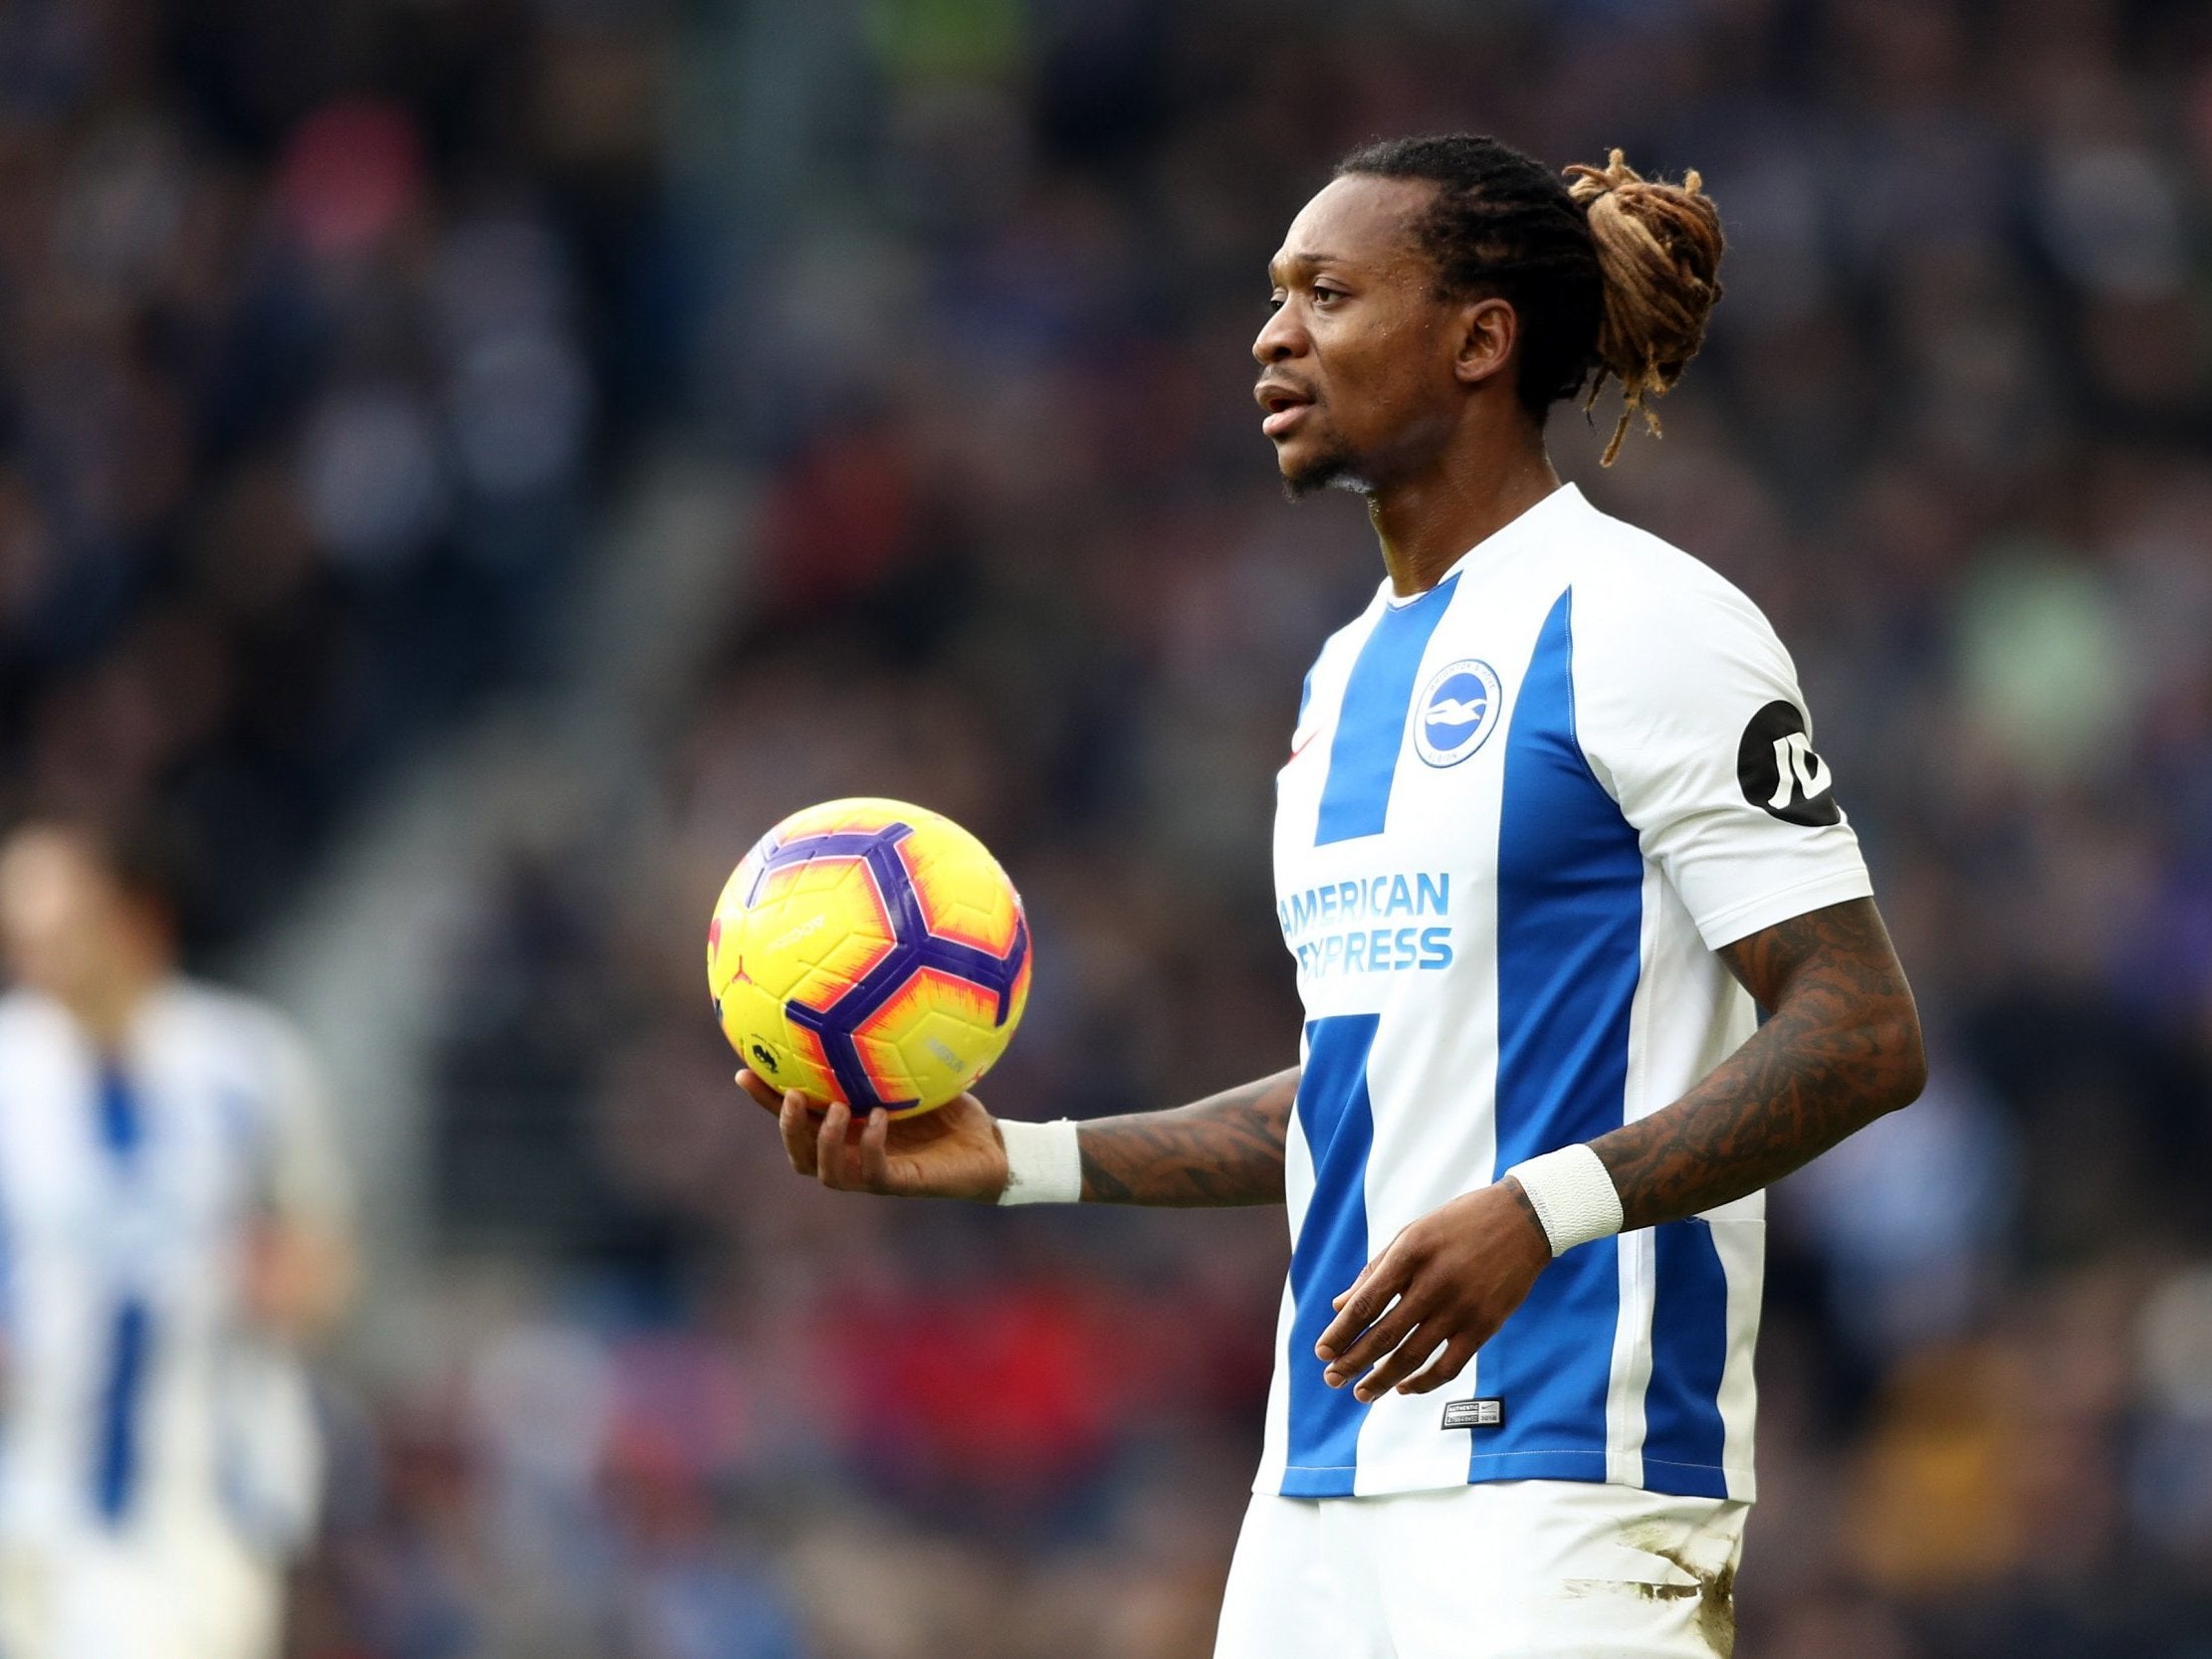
(1573, 1194)
(1045, 1164)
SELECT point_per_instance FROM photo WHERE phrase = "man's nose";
(1280, 338)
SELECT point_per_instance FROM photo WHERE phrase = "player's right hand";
(952, 1152)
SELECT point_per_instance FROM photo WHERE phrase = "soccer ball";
(869, 952)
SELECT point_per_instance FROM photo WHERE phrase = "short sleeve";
(1688, 711)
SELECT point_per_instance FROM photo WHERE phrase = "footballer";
(1552, 835)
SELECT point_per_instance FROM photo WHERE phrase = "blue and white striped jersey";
(1522, 809)
(140, 1401)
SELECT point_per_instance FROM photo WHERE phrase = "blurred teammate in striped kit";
(173, 1223)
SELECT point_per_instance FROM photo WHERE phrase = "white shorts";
(1501, 1569)
(185, 1593)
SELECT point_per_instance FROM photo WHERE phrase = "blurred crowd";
(311, 385)
(309, 318)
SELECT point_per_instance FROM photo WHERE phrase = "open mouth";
(1283, 405)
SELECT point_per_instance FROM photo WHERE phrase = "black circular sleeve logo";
(1780, 772)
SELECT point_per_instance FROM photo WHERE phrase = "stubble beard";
(1336, 469)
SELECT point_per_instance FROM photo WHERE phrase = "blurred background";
(472, 464)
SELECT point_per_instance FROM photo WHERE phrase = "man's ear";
(1488, 331)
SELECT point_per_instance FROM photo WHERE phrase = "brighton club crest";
(1456, 712)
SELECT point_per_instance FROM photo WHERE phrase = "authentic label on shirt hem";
(1474, 1414)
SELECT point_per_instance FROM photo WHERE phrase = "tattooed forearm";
(1841, 1048)
(1224, 1150)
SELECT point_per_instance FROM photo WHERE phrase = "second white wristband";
(1044, 1162)
(1573, 1195)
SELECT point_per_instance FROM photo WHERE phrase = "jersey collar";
(1535, 523)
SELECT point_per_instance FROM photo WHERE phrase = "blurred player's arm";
(298, 1278)
(1841, 1047)
(1224, 1150)
(298, 1261)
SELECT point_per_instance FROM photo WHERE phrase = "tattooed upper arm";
(1841, 956)
(1841, 1046)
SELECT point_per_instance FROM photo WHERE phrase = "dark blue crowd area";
(324, 324)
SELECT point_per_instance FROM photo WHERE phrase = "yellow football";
(869, 952)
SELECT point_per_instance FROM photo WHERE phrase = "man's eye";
(1322, 296)
(1274, 303)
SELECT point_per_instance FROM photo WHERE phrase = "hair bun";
(1659, 249)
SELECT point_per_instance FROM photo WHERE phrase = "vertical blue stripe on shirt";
(1338, 1122)
(1684, 1437)
(1371, 725)
(116, 1455)
(1570, 919)
(120, 1121)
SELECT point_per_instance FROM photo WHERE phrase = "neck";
(1425, 523)
(107, 1011)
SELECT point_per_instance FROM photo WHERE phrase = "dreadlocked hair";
(1610, 276)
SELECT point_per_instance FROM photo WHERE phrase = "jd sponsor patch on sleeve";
(1780, 772)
